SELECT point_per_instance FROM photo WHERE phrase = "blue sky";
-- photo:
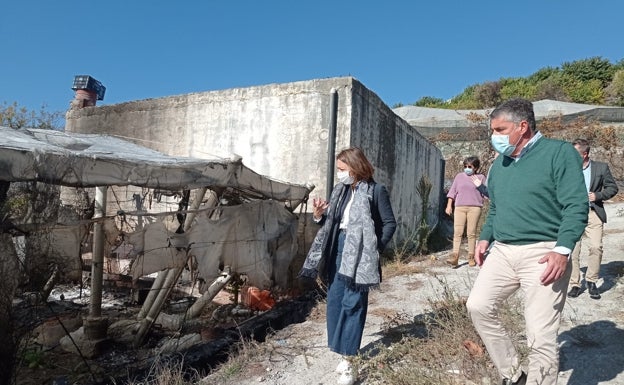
(401, 50)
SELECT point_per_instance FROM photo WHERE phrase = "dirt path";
(591, 336)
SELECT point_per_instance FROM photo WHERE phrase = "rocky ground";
(591, 335)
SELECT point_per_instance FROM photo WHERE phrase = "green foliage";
(615, 90)
(466, 100)
(33, 358)
(588, 92)
(551, 88)
(416, 240)
(517, 88)
(543, 74)
(423, 189)
(591, 81)
(429, 101)
(17, 204)
(595, 68)
(14, 116)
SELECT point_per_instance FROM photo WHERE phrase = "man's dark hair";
(516, 110)
(582, 144)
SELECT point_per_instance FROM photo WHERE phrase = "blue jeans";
(346, 310)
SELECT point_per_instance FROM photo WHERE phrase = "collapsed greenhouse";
(227, 223)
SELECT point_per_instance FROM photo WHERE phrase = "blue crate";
(86, 82)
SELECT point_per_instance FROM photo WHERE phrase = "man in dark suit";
(600, 187)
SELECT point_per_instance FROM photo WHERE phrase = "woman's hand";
(318, 207)
(475, 179)
(449, 210)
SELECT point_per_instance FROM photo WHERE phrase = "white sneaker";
(346, 378)
(344, 366)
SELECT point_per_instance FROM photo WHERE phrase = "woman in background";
(468, 200)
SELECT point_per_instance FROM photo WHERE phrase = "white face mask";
(344, 177)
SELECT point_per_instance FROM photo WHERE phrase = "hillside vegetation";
(590, 81)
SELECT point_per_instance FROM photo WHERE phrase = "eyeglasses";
(468, 166)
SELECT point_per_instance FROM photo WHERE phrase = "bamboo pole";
(172, 275)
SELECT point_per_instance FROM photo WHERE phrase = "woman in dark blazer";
(357, 224)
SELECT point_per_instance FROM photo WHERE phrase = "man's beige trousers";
(593, 234)
(506, 269)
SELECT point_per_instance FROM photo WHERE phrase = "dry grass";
(440, 347)
(242, 360)
(397, 267)
(168, 373)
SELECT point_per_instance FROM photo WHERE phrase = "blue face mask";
(501, 144)
(468, 171)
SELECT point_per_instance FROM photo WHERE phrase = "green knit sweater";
(540, 197)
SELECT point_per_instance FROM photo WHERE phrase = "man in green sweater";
(538, 211)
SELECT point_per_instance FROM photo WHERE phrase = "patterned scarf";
(359, 267)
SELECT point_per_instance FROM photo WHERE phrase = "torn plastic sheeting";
(89, 160)
(257, 239)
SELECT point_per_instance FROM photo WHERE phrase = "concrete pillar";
(85, 98)
(95, 325)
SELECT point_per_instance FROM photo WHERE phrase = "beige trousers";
(593, 234)
(465, 218)
(507, 269)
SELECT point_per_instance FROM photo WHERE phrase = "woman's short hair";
(472, 161)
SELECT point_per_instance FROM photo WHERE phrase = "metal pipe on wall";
(331, 141)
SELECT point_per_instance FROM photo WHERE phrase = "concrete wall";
(281, 130)
(401, 157)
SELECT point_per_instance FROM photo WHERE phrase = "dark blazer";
(602, 185)
(383, 216)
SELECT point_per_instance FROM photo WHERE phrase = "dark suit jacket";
(603, 185)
